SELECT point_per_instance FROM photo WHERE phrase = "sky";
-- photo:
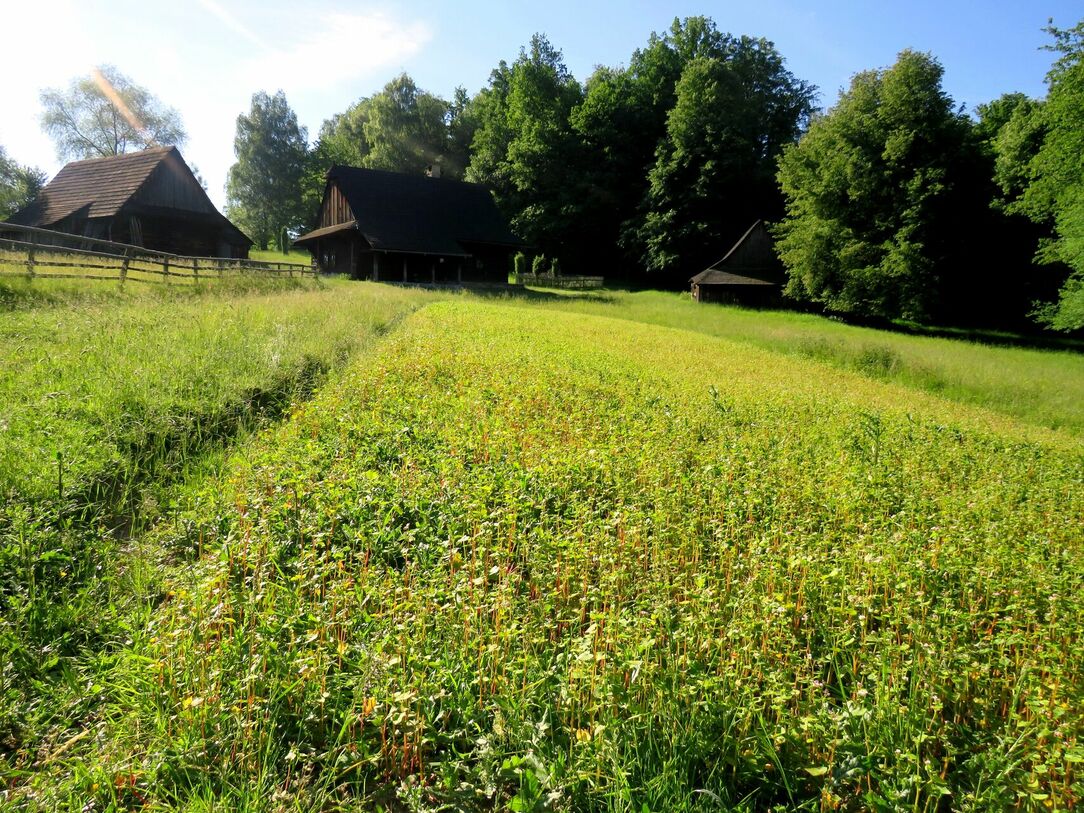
(207, 57)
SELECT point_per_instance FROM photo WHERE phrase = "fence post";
(30, 257)
(195, 269)
(165, 270)
(124, 266)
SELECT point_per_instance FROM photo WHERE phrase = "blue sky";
(207, 57)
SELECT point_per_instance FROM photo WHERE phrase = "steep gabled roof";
(100, 186)
(750, 261)
(713, 276)
(419, 214)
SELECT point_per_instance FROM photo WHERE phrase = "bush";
(519, 265)
(539, 265)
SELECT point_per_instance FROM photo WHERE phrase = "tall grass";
(109, 398)
(587, 564)
(1044, 387)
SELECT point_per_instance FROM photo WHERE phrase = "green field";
(348, 547)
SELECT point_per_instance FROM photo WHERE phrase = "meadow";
(603, 552)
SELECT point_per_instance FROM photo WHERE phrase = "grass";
(532, 554)
(296, 255)
(111, 398)
(1044, 387)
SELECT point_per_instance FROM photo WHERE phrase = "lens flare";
(110, 92)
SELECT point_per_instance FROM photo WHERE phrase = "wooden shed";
(410, 228)
(750, 273)
(148, 198)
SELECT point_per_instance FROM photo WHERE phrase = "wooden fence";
(41, 253)
(547, 281)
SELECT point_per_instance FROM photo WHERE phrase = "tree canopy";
(735, 106)
(524, 146)
(106, 113)
(264, 187)
(18, 185)
(872, 191)
(1055, 188)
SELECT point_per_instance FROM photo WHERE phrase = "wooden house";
(388, 226)
(148, 198)
(750, 273)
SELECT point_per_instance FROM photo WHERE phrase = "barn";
(749, 274)
(389, 226)
(148, 198)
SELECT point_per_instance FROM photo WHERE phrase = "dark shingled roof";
(419, 214)
(714, 276)
(101, 186)
(752, 254)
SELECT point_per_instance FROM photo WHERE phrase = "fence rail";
(31, 252)
(547, 281)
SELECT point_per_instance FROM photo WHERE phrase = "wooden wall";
(173, 186)
(334, 210)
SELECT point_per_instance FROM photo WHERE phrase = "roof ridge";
(405, 175)
(162, 149)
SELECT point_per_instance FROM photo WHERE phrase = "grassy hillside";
(1045, 387)
(525, 555)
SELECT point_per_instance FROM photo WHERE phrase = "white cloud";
(340, 48)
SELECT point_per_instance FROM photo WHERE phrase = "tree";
(1055, 192)
(1010, 132)
(873, 195)
(619, 128)
(264, 186)
(341, 141)
(525, 148)
(406, 128)
(718, 109)
(18, 185)
(106, 113)
(462, 125)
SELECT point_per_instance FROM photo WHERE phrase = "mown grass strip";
(1044, 387)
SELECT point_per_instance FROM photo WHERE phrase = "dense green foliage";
(668, 157)
(264, 188)
(107, 113)
(525, 149)
(735, 108)
(402, 129)
(872, 192)
(1056, 190)
(530, 558)
(18, 185)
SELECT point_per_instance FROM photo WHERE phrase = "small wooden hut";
(148, 198)
(749, 274)
(409, 228)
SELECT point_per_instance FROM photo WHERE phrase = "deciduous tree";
(872, 195)
(107, 113)
(1055, 192)
(264, 186)
(18, 185)
(525, 147)
(719, 109)
(406, 129)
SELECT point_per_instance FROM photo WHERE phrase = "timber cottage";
(750, 273)
(393, 227)
(148, 198)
